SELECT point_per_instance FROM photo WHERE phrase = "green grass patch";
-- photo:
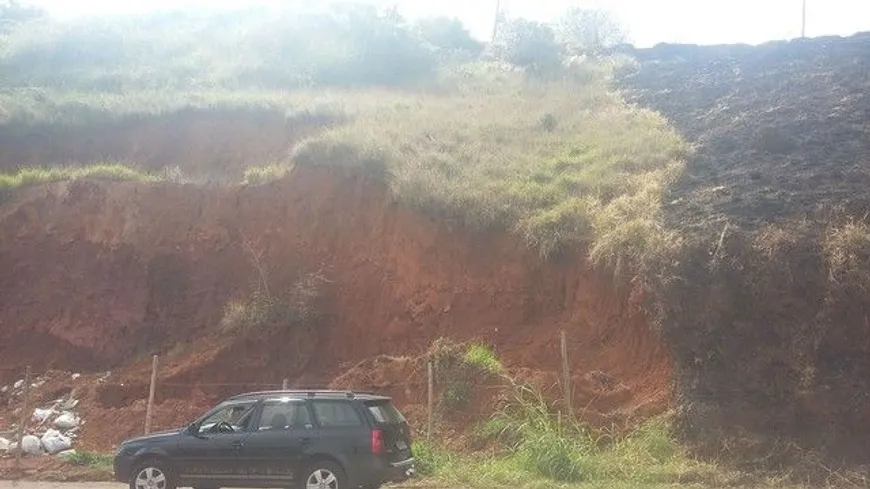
(563, 163)
(541, 449)
(92, 460)
(482, 357)
(101, 171)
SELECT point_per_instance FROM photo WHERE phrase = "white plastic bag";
(54, 442)
(31, 445)
(66, 421)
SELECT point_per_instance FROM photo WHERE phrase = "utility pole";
(496, 20)
(804, 20)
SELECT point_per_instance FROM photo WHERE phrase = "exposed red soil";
(99, 276)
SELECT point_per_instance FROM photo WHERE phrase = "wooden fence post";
(151, 395)
(566, 373)
(430, 398)
(25, 415)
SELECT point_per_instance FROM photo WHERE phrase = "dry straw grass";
(847, 249)
(562, 163)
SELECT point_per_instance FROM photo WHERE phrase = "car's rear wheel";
(152, 474)
(324, 474)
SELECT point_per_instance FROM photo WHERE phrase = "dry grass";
(51, 106)
(261, 175)
(102, 171)
(847, 249)
(561, 163)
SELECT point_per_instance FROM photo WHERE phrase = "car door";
(342, 431)
(211, 450)
(280, 441)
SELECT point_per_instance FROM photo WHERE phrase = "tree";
(12, 13)
(448, 33)
(585, 31)
(530, 45)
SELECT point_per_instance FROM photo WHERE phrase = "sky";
(648, 21)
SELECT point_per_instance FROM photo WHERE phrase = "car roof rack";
(306, 392)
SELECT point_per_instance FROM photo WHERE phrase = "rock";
(66, 421)
(4, 445)
(40, 415)
(67, 404)
(66, 453)
(76, 376)
(54, 442)
(31, 445)
(18, 384)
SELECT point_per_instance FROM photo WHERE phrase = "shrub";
(430, 459)
(262, 309)
(456, 394)
(480, 356)
(530, 45)
(589, 31)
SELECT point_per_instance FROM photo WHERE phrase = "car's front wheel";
(152, 474)
(324, 475)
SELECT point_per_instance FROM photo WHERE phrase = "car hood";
(160, 435)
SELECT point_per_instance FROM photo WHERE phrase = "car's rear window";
(336, 414)
(385, 413)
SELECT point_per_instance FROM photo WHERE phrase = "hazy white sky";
(649, 21)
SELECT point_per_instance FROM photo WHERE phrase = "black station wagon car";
(298, 439)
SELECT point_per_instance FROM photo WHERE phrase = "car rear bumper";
(402, 471)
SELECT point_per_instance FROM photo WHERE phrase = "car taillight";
(378, 447)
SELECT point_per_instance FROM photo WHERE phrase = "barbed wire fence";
(157, 390)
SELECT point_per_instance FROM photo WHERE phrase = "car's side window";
(284, 415)
(234, 418)
(336, 414)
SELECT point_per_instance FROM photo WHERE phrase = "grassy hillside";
(556, 157)
(748, 243)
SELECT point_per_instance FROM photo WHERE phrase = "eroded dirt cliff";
(97, 276)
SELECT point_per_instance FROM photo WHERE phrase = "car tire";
(154, 471)
(323, 471)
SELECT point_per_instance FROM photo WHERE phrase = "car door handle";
(237, 445)
(305, 441)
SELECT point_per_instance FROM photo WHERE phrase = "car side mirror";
(192, 429)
